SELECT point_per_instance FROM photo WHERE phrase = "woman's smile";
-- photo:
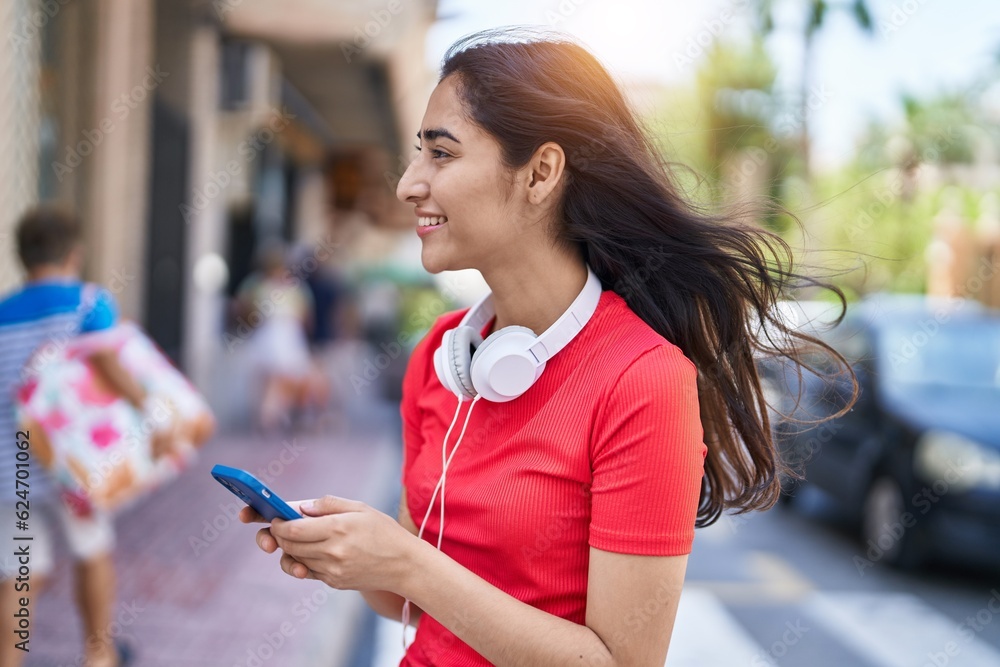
(427, 224)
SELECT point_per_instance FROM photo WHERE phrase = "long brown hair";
(702, 280)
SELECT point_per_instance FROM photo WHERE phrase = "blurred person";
(575, 500)
(51, 305)
(325, 288)
(279, 309)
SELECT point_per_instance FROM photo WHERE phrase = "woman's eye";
(435, 153)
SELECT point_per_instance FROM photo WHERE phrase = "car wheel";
(882, 527)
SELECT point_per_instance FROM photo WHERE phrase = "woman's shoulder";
(624, 336)
(626, 328)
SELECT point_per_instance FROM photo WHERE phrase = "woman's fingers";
(297, 504)
(266, 541)
(289, 564)
(293, 567)
(334, 505)
(301, 551)
(307, 529)
(250, 515)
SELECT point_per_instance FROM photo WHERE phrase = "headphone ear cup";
(502, 368)
(441, 368)
(453, 358)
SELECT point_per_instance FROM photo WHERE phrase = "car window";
(956, 353)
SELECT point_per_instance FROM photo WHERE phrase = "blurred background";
(206, 142)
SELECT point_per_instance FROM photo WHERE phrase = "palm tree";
(735, 87)
(817, 13)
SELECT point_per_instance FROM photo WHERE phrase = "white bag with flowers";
(101, 451)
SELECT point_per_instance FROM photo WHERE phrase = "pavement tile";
(203, 593)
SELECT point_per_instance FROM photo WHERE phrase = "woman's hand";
(268, 544)
(344, 543)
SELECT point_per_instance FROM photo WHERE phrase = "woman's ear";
(546, 169)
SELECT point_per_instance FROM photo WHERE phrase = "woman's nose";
(412, 186)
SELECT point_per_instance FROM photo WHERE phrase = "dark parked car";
(917, 459)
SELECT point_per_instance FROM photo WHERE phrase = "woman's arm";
(387, 603)
(631, 606)
(631, 600)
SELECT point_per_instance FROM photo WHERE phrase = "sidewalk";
(193, 587)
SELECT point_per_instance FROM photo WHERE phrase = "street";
(194, 589)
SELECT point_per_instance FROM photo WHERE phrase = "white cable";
(445, 463)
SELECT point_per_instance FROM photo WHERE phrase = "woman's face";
(458, 176)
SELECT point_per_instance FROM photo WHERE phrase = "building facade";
(186, 132)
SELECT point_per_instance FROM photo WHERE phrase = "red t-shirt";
(605, 450)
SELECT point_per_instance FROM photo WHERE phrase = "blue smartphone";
(253, 492)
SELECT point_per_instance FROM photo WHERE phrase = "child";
(52, 306)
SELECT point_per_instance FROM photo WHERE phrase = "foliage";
(874, 217)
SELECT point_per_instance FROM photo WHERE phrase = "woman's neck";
(534, 296)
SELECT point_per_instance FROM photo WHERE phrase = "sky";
(919, 46)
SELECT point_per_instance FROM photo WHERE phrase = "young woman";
(573, 500)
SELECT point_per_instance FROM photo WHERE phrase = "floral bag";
(95, 444)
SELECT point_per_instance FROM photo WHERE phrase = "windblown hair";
(704, 281)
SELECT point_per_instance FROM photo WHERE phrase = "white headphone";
(499, 369)
(510, 360)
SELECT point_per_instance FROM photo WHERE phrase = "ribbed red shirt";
(605, 450)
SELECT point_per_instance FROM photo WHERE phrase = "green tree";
(817, 12)
(735, 85)
(876, 205)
